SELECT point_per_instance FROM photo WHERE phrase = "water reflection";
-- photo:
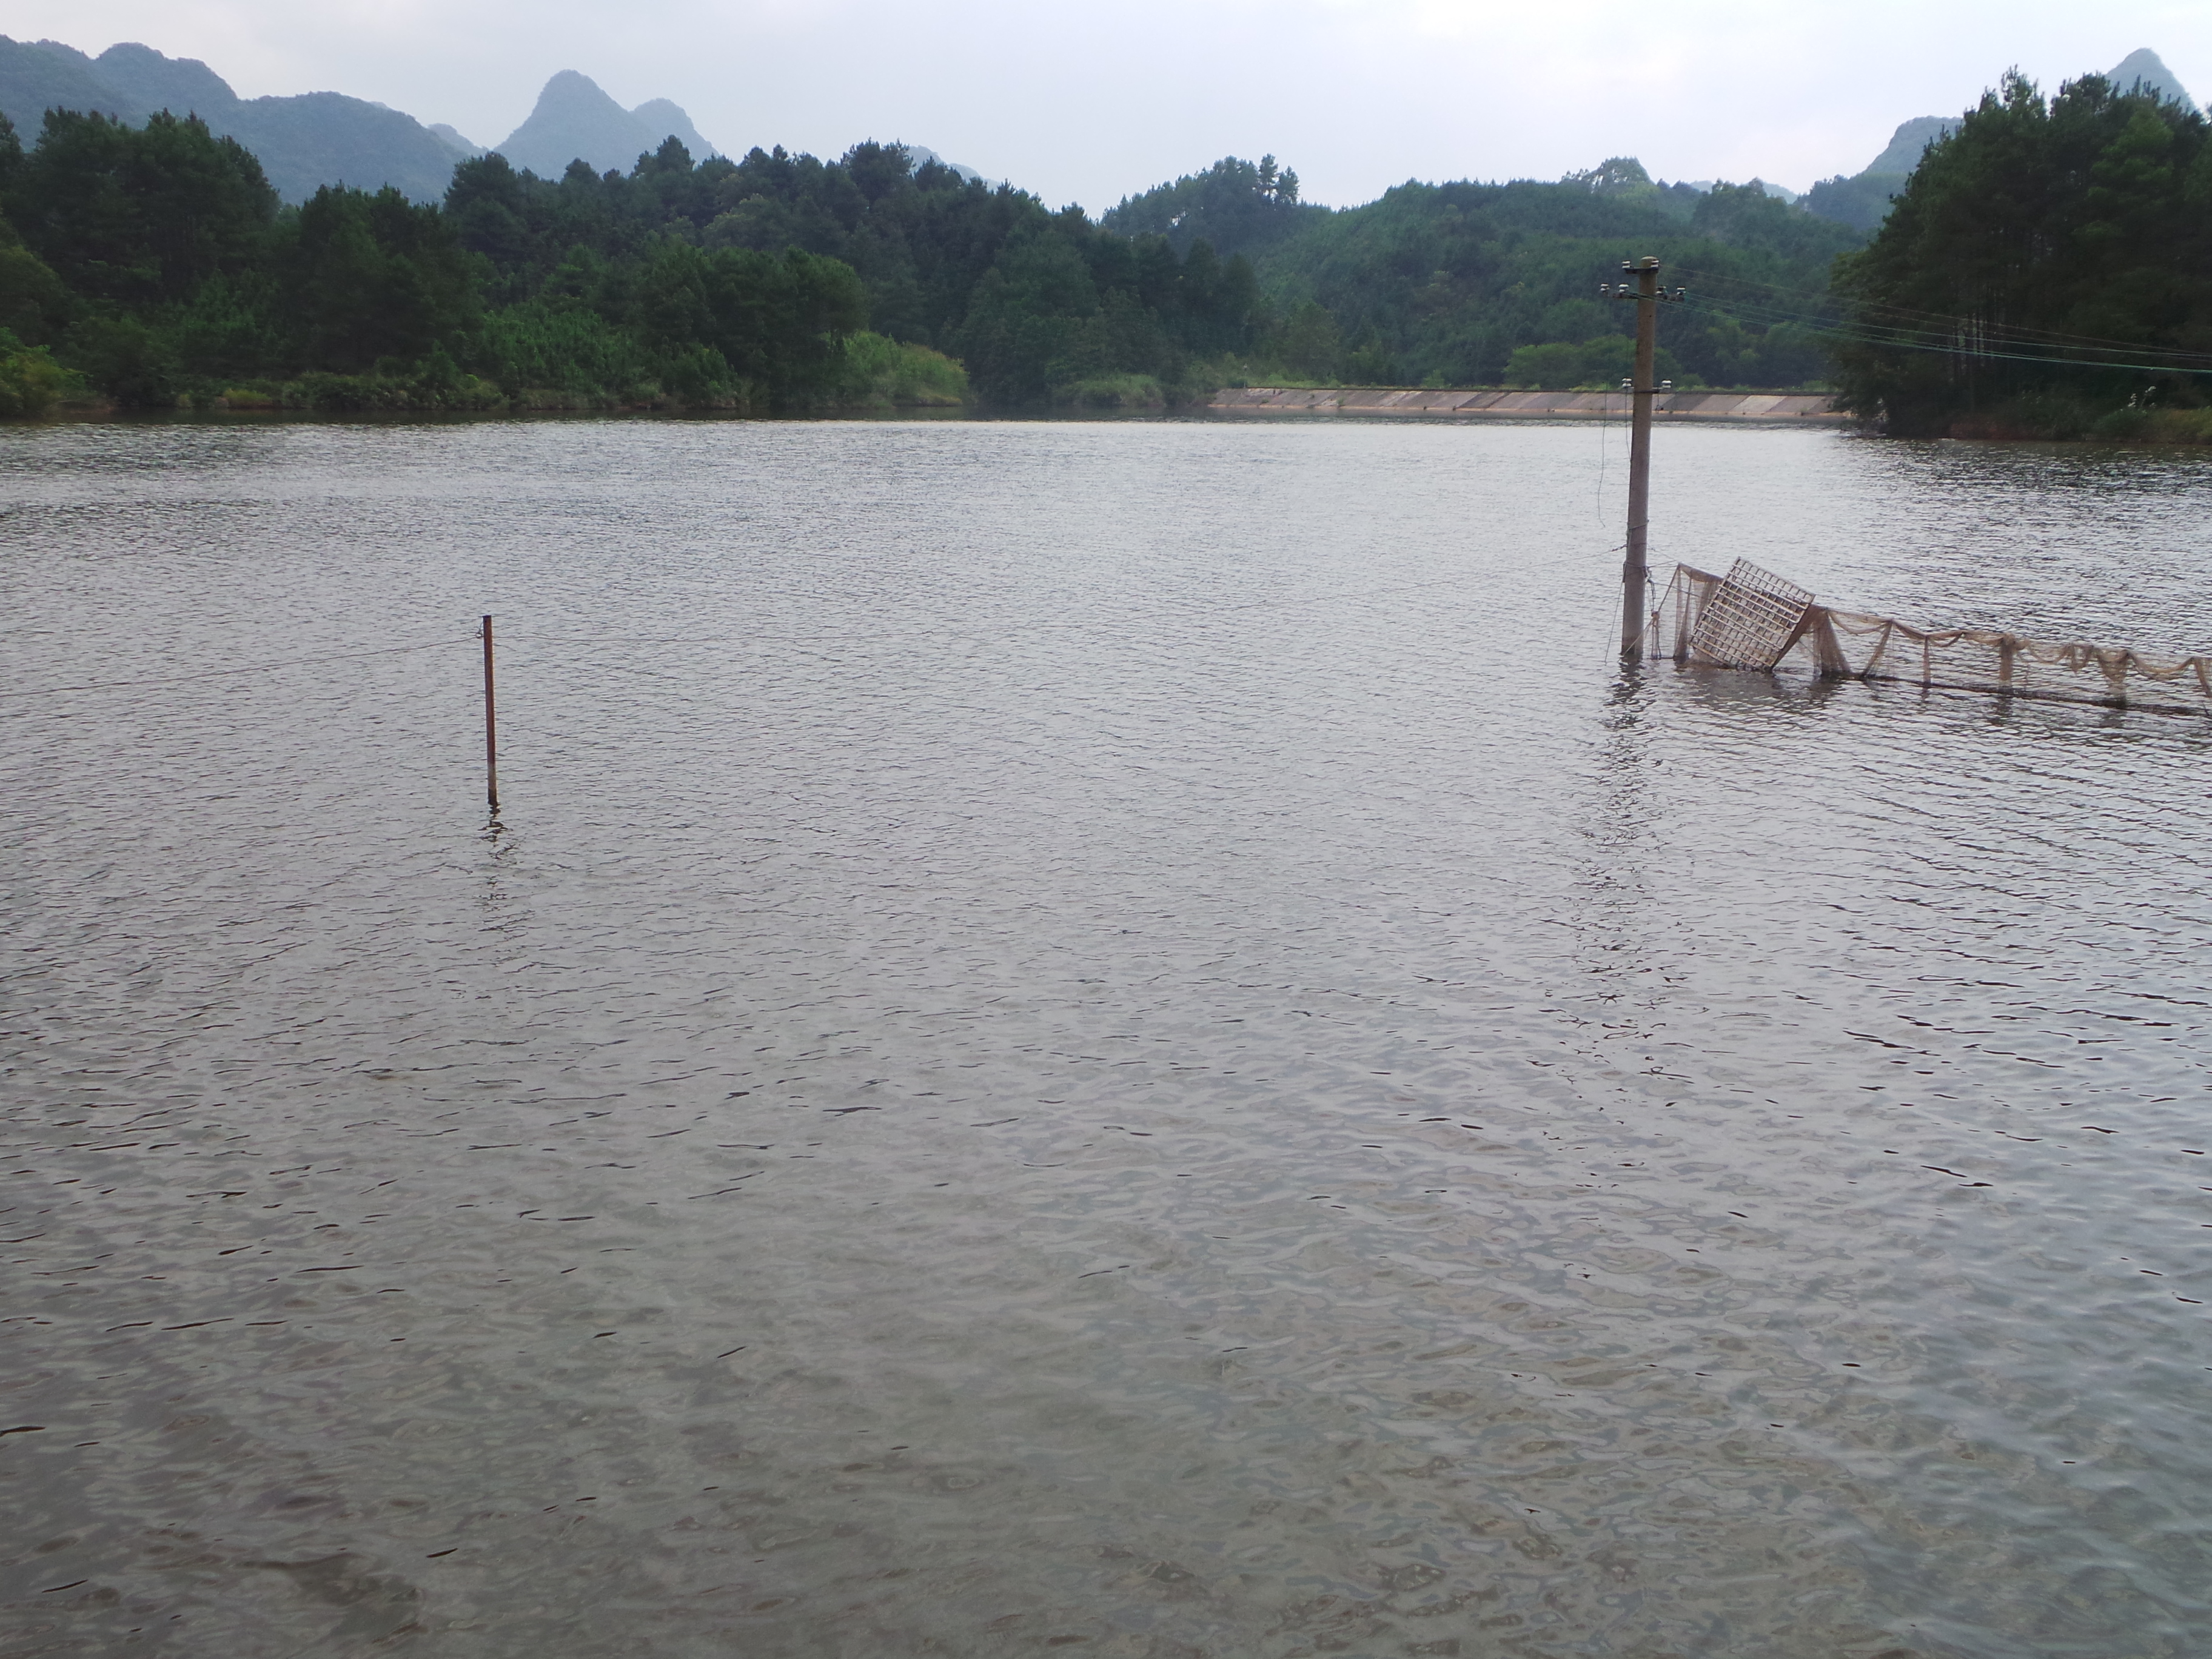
(1731, 694)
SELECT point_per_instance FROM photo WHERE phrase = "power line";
(1952, 320)
(1865, 332)
(1867, 337)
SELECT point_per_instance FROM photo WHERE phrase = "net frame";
(1837, 644)
(1749, 620)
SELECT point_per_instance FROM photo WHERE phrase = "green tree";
(371, 277)
(1240, 207)
(2047, 251)
(778, 322)
(1616, 176)
(1450, 280)
(34, 304)
(1311, 342)
(138, 215)
(31, 381)
(122, 357)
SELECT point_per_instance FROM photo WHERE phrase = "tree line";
(2046, 269)
(154, 264)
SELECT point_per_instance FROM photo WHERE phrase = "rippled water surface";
(1106, 1037)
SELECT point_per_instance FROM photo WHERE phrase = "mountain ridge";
(307, 140)
(1861, 199)
(575, 120)
(302, 142)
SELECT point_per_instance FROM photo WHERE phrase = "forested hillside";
(154, 264)
(2047, 268)
(1037, 305)
(1238, 206)
(149, 265)
(1467, 284)
(2047, 271)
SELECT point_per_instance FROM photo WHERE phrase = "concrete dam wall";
(1790, 408)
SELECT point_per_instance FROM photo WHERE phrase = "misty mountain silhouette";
(575, 120)
(2145, 65)
(1913, 137)
(1862, 199)
(313, 139)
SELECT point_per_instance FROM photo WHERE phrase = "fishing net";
(1752, 618)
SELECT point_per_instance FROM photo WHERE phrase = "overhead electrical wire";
(1947, 319)
(1983, 339)
(1863, 334)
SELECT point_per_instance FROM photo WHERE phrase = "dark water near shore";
(1114, 1038)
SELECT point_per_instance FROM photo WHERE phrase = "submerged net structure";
(1752, 618)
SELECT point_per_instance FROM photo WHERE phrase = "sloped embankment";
(1793, 408)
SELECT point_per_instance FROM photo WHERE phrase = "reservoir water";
(1115, 1038)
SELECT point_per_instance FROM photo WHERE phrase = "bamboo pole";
(491, 729)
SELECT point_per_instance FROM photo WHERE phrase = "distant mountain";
(454, 142)
(1862, 199)
(922, 157)
(667, 120)
(575, 120)
(327, 138)
(314, 139)
(36, 76)
(1907, 144)
(150, 80)
(2144, 65)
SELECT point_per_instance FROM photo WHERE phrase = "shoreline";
(1779, 408)
(1762, 408)
(1767, 410)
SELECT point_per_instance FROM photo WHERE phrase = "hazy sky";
(1087, 103)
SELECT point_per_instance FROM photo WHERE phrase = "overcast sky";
(1088, 103)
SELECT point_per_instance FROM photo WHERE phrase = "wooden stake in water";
(491, 730)
(1632, 569)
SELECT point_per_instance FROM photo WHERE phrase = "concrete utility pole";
(1649, 296)
(1633, 569)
